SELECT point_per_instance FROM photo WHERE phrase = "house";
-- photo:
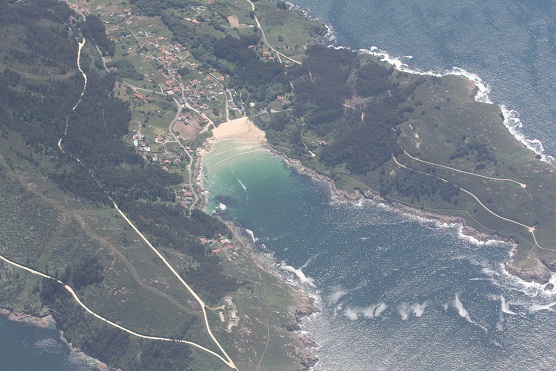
(218, 251)
(203, 240)
(138, 96)
(229, 247)
(159, 139)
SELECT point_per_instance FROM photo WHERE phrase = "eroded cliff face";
(538, 272)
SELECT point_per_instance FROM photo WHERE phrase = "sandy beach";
(241, 128)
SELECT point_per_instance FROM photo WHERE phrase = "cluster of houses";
(185, 196)
(157, 150)
(230, 309)
(221, 245)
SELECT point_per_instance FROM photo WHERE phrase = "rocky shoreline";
(540, 274)
(304, 305)
(49, 322)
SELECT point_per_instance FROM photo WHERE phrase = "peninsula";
(105, 111)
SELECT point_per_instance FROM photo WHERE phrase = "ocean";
(397, 292)
(29, 348)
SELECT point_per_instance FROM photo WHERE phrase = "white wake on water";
(370, 312)
(242, 185)
(299, 273)
(252, 235)
(464, 313)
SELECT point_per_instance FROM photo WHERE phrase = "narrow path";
(529, 229)
(522, 185)
(278, 54)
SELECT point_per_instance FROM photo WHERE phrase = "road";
(278, 54)
(530, 229)
(131, 332)
(228, 360)
(190, 165)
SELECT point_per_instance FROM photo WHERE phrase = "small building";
(218, 251)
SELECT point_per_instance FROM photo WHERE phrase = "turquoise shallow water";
(396, 292)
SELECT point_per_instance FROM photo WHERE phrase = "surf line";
(228, 360)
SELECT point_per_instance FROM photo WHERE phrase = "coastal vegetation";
(71, 178)
(72, 167)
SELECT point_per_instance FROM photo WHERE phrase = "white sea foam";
(336, 295)
(514, 125)
(505, 306)
(464, 313)
(368, 312)
(531, 289)
(419, 309)
(380, 309)
(460, 308)
(299, 273)
(473, 240)
(511, 117)
(404, 310)
(252, 235)
(538, 307)
(351, 314)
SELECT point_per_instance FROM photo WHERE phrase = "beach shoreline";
(244, 130)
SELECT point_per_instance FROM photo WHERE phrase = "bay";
(396, 292)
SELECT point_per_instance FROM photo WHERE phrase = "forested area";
(362, 138)
(418, 186)
(153, 8)
(93, 29)
(111, 345)
(38, 111)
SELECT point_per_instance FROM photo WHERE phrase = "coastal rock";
(308, 363)
(539, 273)
(549, 287)
(549, 263)
(42, 322)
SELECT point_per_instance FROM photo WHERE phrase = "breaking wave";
(511, 117)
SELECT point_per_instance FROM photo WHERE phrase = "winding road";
(227, 360)
(530, 229)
